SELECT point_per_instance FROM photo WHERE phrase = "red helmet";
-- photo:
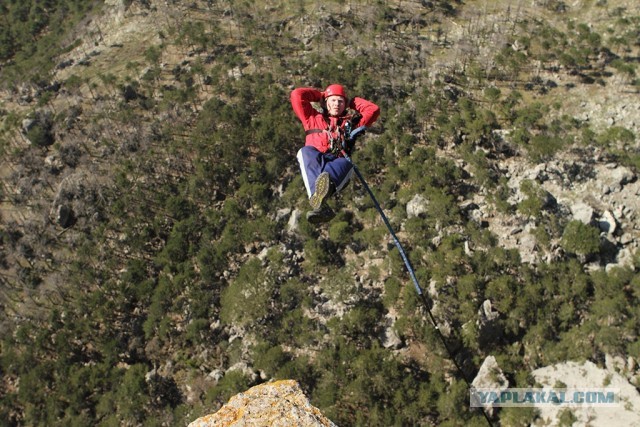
(334, 89)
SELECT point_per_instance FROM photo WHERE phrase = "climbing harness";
(339, 134)
(351, 134)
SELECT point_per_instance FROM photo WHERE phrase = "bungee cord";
(409, 267)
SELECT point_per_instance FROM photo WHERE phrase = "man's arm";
(301, 99)
(370, 111)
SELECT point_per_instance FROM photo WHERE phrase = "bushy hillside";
(154, 256)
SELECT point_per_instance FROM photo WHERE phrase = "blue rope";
(407, 263)
(412, 274)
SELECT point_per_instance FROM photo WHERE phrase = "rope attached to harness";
(427, 305)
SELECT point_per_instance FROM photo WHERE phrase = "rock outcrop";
(588, 376)
(601, 195)
(490, 376)
(279, 403)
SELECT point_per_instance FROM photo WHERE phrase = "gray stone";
(490, 375)
(282, 213)
(607, 223)
(616, 178)
(582, 212)
(216, 375)
(489, 328)
(389, 337)
(417, 206)
(487, 312)
(244, 369)
(528, 246)
(294, 220)
(28, 124)
(53, 163)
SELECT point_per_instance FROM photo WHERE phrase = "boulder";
(28, 124)
(417, 206)
(607, 223)
(38, 129)
(389, 337)
(489, 328)
(244, 369)
(582, 212)
(294, 220)
(275, 404)
(53, 163)
(614, 178)
(490, 375)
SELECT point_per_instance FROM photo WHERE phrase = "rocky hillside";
(155, 259)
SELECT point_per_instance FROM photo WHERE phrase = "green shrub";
(40, 135)
(543, 147)
(371, 236)
(615, 135)
(340, 232)
(340, 285)
(535, 199)
(392, 290)
(581, 239)
(318, 253)
(197, 330)
(269, 359)
(295, 328)
(566, 418)
(247, 298)
(232, 383)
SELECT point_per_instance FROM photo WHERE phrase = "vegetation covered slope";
(149, 175)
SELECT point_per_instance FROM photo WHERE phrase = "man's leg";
(313, 163)
(340, 171)
(324, 189)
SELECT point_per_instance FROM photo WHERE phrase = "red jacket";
(301, 99)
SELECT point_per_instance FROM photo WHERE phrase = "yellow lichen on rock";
(279, 403)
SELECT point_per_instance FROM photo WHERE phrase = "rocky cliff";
(276, 404)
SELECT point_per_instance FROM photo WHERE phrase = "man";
(324, 169)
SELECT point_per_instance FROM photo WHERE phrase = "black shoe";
(323, 190)
(323, 214)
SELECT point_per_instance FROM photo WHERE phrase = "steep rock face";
(280, 403)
